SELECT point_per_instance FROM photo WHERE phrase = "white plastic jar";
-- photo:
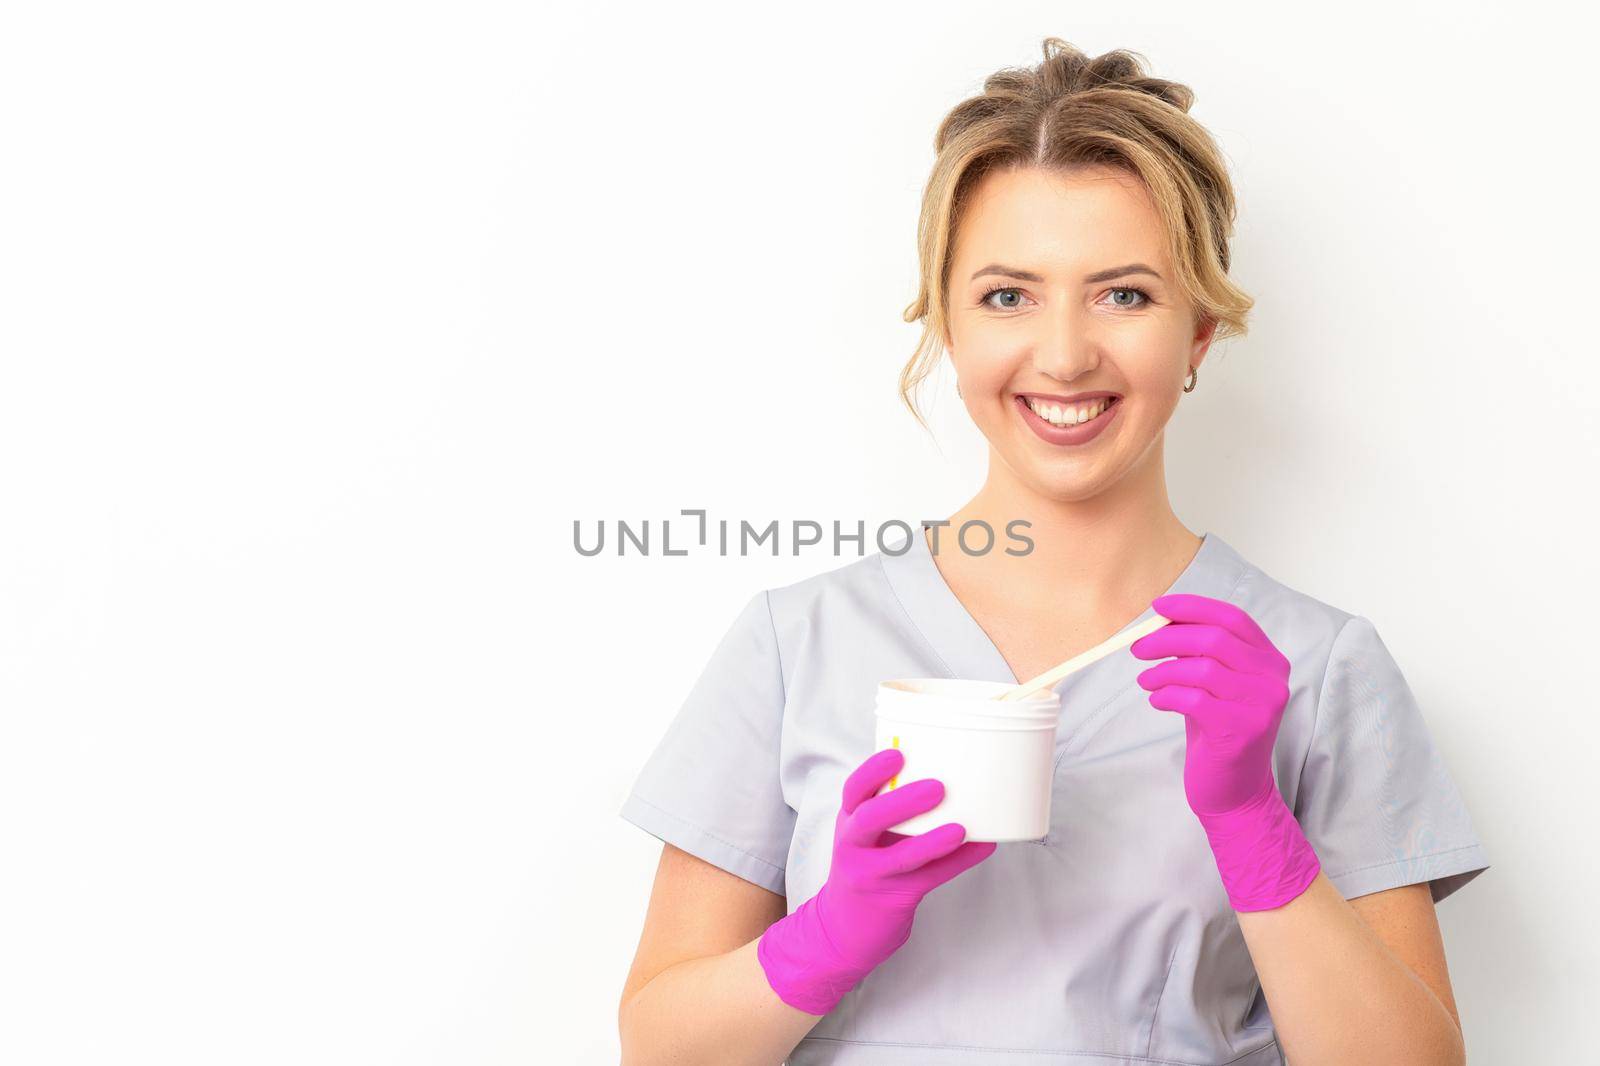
(994, 758)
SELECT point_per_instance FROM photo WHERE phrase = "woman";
(1258, 819)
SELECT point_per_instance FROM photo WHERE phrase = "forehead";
(1049, 220)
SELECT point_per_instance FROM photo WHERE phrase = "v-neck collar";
(968, 652)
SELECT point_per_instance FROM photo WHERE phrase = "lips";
(1082, 433)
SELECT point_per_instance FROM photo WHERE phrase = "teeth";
(1069, 415)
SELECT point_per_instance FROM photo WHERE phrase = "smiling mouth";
(1065, 416)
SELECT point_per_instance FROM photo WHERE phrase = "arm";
(1362, 980)
(696, 993)
(1337, 992)
(809, 960)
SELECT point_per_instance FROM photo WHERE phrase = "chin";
(1074, 491)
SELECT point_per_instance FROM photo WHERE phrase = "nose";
(1065, 347)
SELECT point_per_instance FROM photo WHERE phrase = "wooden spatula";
(1050, 677)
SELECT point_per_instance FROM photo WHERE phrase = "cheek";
(985, 381)
(985, 360)
(1153, 378)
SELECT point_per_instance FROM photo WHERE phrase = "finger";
(891, 808)
(1189, 607)
(1218, 682)
(1192, 703)
(1192, 638)
(923, 848)
(870, 776)
(932, 874)
(1204, 673)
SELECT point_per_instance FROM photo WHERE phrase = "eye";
(1143, 296)
(984, 299)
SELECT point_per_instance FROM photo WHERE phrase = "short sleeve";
(1375, 799)
(712, 787)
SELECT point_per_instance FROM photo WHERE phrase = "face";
(1040, 307)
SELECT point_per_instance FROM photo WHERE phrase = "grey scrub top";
(1111, 941)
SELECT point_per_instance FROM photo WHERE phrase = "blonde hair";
(1072, 111)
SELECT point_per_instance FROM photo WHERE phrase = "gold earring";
(1194, 379)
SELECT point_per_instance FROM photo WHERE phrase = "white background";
(321, 323)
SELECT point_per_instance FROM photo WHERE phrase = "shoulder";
(853, 585)
(777, 605)
(1304, 627)
(833, 617)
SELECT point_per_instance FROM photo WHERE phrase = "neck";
(1095, 553)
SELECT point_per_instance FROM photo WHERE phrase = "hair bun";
(1068, 70)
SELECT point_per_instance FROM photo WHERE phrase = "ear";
(1204, 334)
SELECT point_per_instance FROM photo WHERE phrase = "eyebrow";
(1099, 275)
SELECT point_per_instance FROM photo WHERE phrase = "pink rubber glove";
(1230, 683)
(863, 912)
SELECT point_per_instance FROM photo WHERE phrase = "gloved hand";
(1230, 683)
(863, 912)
